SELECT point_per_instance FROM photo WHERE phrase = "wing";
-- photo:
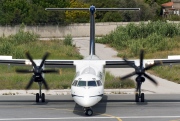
(122, 64)
(60, 63)
(117, 64)
(15, 61)
(73, 63)
(48, 63)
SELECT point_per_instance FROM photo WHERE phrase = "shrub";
(68, 40)
(10, 45)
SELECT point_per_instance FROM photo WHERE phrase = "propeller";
(37, 70)
(140, 70)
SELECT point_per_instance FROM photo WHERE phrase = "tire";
(137, 97)
(43, 97)
(142, 97)
(37, 97)
(89, 112)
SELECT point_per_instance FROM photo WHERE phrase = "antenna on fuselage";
(92, 11)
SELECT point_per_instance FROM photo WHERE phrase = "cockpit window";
(99, 83)
(91, 83)
(74, 83)
(87, 83)
(81, 83)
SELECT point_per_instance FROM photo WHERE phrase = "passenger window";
(99, 83)
(91, 83)
(82, 83)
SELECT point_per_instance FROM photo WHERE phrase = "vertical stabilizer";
(92, 31)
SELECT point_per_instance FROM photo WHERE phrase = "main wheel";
(37, 97)
(89, 112)
(142, 97)
(137, 97)
(43, 97)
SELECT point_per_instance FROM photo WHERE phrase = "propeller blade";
(50, 71)
(150, 78)
(23, 71)
(127, 76)
(151, 66)
(44, 82)
(30, 82)
(141, 58)
(43, 59)
(31, 59)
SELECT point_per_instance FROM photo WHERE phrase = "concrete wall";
(76, 30)
(176, 4)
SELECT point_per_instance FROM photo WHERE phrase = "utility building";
(171, 8)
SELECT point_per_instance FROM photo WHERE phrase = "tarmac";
(157, 107)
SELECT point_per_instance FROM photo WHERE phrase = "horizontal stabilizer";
(97, 9)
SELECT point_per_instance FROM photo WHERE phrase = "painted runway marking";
(64, 118)
(70, 118)
(146, 117)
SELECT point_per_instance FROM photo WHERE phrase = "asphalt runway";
(157, 107)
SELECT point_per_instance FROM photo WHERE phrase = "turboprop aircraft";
(87, 88)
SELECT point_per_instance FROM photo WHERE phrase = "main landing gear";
(138, 94)
(40, 95)
(88, 111)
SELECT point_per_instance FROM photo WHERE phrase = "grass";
(115, 83)
(168, 72)
(11, 80)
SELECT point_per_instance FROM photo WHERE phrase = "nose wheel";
(88, 111)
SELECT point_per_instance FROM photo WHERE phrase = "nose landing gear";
(88, 111)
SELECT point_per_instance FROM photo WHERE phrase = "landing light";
(27, 62)
(149, 62)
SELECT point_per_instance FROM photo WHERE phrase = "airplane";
(87, 87)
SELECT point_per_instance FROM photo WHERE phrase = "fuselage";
(88, 85)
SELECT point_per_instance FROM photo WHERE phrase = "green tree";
(150, 2)
(112, 17)
(13, 12)
(147, 12)
(31, 11)
(49, 17)
(77, 16)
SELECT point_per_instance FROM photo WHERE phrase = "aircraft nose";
(86, 102)
(87, 99)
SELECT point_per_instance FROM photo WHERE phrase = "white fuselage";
(88, 86)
